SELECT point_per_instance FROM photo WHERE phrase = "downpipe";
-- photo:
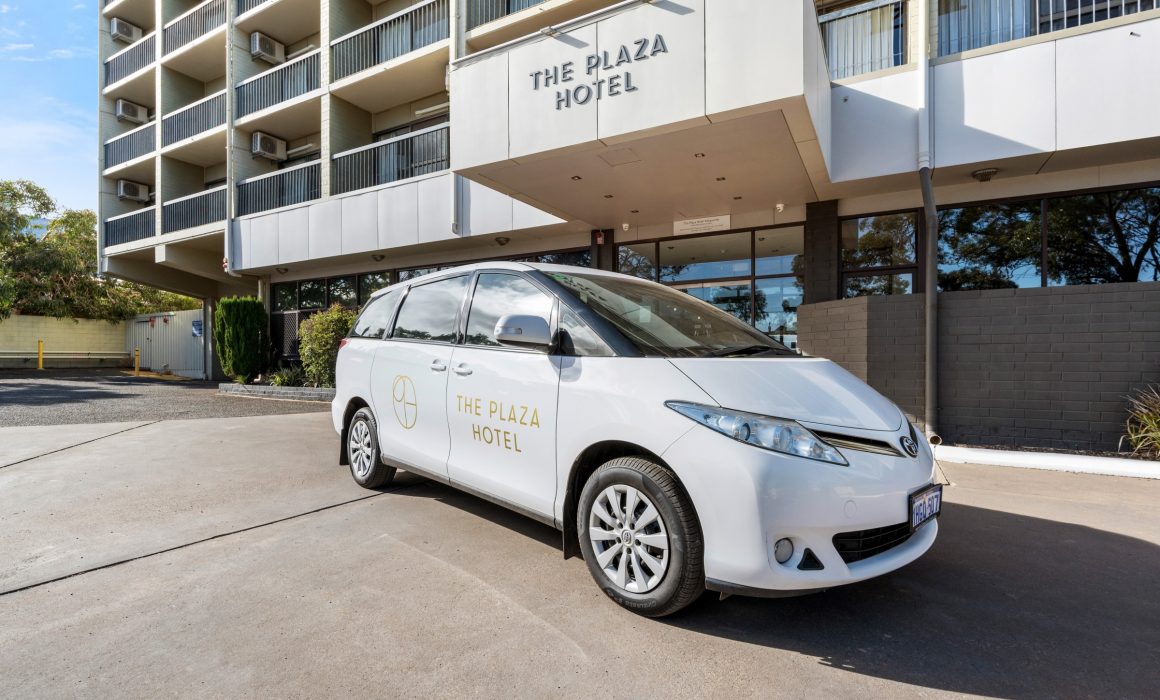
(930, 286)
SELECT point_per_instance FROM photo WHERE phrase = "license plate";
(925, 505)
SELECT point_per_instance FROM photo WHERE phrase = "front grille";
(863, 544)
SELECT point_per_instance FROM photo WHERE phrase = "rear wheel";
(362, 451)
(640, 537)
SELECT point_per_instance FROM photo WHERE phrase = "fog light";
(782, 550)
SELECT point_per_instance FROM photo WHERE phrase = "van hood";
(799, 388)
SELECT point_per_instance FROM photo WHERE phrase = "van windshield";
(665, 322)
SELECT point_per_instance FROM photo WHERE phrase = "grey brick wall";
(1028, 367)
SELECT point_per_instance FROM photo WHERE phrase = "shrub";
(1144, 421)
(239, 329)
(289, 376)
(318, 340)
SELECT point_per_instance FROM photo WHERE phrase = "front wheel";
(362, 451)
(640, 537)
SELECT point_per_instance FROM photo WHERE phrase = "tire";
(652, 567)
(362, 452)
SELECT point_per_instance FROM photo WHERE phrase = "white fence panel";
(169, 343)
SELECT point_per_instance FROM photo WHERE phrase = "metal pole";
(930, 289)
(40, 353)
(137, 361)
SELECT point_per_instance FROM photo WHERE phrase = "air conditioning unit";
(127, 189)
(132, 112)
(264, 48)
(124, 31)
(268, 146)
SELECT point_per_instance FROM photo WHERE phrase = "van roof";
(495, 265)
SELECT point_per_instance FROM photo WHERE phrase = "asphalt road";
(68, 397)
(234, 558)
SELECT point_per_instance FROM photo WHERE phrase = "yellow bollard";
(137, 362)
(40, 354)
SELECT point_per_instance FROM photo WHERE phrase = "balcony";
(130, 60)
(286, 82)
(137, 143)
(864, 38)
(139, 12)
(484, 11)
(403, 157)
(194, 119)
(128, 228)
(493, 22)
(200, 209)
(245, 6)
(194, 24)
(974, 24)
(283, 188)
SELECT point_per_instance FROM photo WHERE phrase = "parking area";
(232, 557)
(68, 397)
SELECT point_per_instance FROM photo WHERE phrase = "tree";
(55, 275)
(239, 329)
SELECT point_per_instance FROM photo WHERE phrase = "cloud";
(16, 47)
(5, 9)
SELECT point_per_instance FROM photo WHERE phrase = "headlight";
(776, 434)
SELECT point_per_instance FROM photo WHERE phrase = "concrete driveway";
(233, 557)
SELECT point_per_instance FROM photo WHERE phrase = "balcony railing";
(195, 210)
(484, 11)
(198, 22)
(301, 183)
(389, 38)
(864, 38)
(127, 62)
(245, 6)
(971, 24)
(420, 153)
(131, 227)
(138, 142)
(285, 82)
(194, 119)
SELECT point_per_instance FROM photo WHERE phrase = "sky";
(48, 117)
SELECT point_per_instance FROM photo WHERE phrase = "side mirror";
(523, 331)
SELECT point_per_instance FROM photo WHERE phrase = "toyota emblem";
(910, 446)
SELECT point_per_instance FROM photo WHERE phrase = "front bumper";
(747, 498)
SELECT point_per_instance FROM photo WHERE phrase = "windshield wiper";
(745, 350)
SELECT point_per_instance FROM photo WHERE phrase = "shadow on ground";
(1003, 605)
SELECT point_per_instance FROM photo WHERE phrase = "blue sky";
(48, 117)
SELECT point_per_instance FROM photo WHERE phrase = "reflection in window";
(638, 260)
(577, 339)
(776, 302)
(579, 258)
(777, 250)
(878, 241)
(375, 318)
(992, 246)
(872, 285)
(285, 296)
(734, 299)
(1104, 237)
(430, 311)
(311, 294)
(370, 283)
(343, 292)
(407, 275)
(497, 295)
(706, 257)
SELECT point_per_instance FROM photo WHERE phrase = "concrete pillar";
(822, 261)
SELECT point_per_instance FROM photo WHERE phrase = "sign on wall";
(704, 224)
(602, 74)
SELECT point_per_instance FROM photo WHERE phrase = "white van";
(676, 447)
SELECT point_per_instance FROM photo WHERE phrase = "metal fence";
(200, 116)
(131, 227)
(199, 21)
(389, 38)
(245, 6)
(484, 11)
(195, 210)
(866, 37)
(295, 185)
(971, 24)
(131, 60)
(285, 82)
(399, 158)
(141, 141)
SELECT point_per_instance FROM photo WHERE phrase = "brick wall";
(1029, 367)
(66, 342)
(821, 252)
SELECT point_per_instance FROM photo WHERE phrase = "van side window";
(498, 295)
(430, 311)
(577, 339)
(374, 319)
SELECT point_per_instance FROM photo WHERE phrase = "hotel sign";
(701, 225)
(578, 84)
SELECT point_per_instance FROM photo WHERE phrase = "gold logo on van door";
(406, 401)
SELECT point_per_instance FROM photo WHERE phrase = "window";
(707, 257)
(866, 37)
(311, 294)
(370, 283)
(776, 301)
(430, 311)
(970, 24)
(407, 275)
(285, 296)
(579, 258)
(779, 250)
(638, 260)
(497, 295)
(342, 291)
(577, 339)
(1104, 237)
(991, 246)
(878, 254)
(376, 317)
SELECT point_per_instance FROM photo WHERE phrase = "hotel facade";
(956, 200)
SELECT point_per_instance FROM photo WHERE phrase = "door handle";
(462, 370)
(438, 366)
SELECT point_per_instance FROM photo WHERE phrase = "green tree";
(56, 275)
(239, 329)
(319, 338)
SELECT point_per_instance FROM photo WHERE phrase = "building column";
(822, 242)
(604, 249)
